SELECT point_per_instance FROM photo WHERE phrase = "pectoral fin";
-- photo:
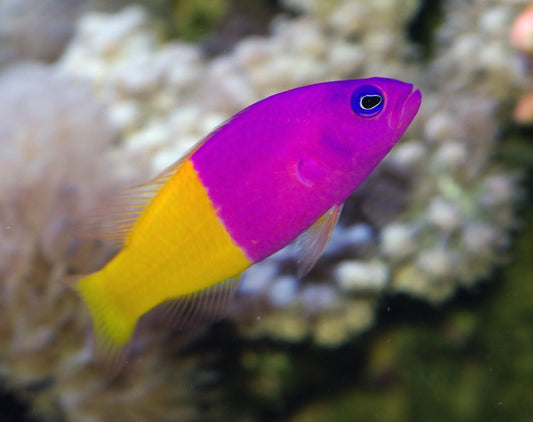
(311, 243)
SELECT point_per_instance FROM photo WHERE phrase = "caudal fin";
(113, 329)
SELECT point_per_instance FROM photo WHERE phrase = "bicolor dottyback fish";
(278, 170)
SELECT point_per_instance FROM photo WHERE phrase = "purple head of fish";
(280, 164)
(360, 120)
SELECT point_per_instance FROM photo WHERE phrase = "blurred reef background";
(421, 307)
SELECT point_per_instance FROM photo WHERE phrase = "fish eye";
(367, 101)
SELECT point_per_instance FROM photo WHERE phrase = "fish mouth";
(410, 106)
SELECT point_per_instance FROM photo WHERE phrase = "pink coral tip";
(522, 31)
(523, 112)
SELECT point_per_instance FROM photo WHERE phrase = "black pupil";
(368, 102)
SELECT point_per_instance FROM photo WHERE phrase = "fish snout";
(407, 104)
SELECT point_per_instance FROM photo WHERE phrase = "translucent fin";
(114, 220)
(113, 330)
(201, 307)
(311, 243)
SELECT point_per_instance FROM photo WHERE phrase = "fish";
(277, 172)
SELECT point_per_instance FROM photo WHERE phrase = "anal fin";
(201, 307)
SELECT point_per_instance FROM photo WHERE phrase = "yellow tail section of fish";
(177, 248)
(113, 327)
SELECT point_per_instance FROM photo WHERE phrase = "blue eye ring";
(367, 101)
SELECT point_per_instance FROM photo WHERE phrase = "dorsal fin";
(114, 220)
(311, 243)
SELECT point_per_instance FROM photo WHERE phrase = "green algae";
(217, 24)
(193, 19)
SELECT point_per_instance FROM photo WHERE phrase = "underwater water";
(421, 306)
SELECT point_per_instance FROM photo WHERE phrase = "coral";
(58, 158)
(521, 38)
(521, 33)
(39, 31)
(36, 30)
(435, 216)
